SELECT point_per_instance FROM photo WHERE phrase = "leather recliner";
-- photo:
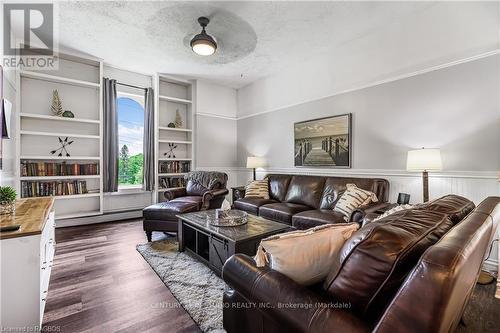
(204, 190)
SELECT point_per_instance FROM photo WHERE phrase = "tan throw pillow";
(305, 256)
(257, 189)
(353, 198)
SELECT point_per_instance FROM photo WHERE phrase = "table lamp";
(254, 162)
(424, 160)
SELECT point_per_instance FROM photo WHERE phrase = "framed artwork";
(323, 142)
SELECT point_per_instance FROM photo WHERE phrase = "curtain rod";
(130, 85)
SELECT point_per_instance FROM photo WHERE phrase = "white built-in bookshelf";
(77, 189)
(173, 94)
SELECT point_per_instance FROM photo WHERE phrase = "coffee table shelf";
(214, 245)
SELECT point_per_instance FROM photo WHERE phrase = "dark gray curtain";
(110, 137)
(149, 140)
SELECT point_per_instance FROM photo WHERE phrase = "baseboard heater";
(105, 217)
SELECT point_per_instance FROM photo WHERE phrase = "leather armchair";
(286, 306)
(208, 189)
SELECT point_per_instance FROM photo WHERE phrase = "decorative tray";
(228, 218)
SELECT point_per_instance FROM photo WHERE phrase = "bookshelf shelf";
(174, 159)
(59, 79)
(61, 158)
(175, 97)
(60, 177)
(175, 100)
(78, 196)
(78, 81)
(175, 141)
(175, 129)
(70, 135)
(172, 174)
(45, 117)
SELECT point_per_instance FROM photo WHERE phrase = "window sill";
(128, 190)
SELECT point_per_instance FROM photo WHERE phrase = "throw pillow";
(353, 198)
(257, 189)
(392, 211)
(305, 256)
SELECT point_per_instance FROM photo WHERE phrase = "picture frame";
(324, 142)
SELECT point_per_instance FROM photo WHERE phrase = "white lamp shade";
(424, 160)
(254, 162)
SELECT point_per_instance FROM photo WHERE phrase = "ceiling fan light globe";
(203, 47)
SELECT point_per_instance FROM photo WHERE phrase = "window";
(130, 112)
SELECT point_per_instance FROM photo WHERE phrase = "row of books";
(29, 169)
(43, 189)
(172, 182)
(175, 166)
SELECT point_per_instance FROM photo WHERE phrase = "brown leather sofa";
(308, 201)
(413, 271)
(204, 190)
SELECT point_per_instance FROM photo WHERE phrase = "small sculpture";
(178, 119)
(171, 125)
(64, 143)
(56, 107)
(170, 153)
(68, 114)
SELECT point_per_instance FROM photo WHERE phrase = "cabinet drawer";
(47, 242)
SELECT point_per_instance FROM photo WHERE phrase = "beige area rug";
(193, 284)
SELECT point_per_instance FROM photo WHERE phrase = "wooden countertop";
(31, 214)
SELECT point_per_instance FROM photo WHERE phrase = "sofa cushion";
(305, 190)
(455, 206)
(335, 186)
(278, 186)
(257, 189)
(375, 260)
(305, 256)
(353, 198)
(281, 212)
(251, 204)
(313, 218)
(191, 199)
(167, 211)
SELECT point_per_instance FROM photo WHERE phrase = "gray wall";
(216, 142)
(456, 109)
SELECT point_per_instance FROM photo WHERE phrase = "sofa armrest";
(213, 194)
(174, 192)
(238, 192)
(283, 299)
(359, 213)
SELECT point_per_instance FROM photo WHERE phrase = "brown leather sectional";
(308, 201)
(412, 271)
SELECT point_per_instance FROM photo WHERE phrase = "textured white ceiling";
(255, 39)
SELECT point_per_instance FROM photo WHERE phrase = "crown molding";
(380, 82)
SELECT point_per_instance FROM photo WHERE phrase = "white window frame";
(124, 189)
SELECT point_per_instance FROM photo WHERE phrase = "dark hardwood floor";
(100, 283)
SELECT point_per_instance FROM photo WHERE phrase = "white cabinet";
(26, 263)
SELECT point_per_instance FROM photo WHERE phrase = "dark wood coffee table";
(214, 245)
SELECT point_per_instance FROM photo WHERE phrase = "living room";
(159, 160)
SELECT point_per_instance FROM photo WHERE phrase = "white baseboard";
(107, 217)
(491, 265)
